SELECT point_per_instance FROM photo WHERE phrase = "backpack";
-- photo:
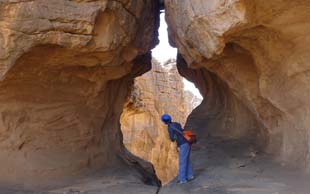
(189, 135)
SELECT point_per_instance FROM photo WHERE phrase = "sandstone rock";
(259, 50)
(192, 101)
(220, 114)
(66, 69)
(157, 92)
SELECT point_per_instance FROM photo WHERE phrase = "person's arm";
(171, 134)
(179, 126)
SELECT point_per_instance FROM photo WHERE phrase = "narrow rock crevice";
(67, 69)
(144, 133)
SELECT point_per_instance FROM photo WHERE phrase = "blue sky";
(163, 51)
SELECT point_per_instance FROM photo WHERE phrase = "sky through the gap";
(163, 51)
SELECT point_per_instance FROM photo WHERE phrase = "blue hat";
(166, 118)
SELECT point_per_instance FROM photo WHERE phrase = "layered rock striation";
(157, 92)
(66, 67)
(255, 54)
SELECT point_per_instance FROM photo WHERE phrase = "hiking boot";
(191, 178)
(182, 182)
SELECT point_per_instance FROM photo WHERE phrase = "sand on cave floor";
(232, 167)
(119, 180)
(220, 166)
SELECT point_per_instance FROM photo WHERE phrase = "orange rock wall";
(66, 68)
(157, 92)
(259, 49)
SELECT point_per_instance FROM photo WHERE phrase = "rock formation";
(251, 60)
(157, 92)
(66, 67)
(192, 101)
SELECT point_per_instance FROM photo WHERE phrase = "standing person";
(176, 134)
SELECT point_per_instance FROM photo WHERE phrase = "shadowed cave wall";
(252, 63)
(66, 70)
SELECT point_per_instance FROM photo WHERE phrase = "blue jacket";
(174, 135)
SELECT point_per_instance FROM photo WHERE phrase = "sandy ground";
(221, 167)
(228, 167)
(112, 181)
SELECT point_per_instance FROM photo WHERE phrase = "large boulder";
(66, 68)
(259, 50)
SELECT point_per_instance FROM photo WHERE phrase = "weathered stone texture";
(260, 50)
(157, 92)
(192, 101)
(66, 69)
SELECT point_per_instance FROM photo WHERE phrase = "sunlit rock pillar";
(157, 92)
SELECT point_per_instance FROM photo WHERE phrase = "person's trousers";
(185, 167)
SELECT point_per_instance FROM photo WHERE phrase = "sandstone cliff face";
(66, 68)
(256, 54)
(157, 92)
(192, 101)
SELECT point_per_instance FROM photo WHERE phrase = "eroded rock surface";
(192, 101)
(220, 114)
(235, 167)
(157, 92)
(259, 49)
(66, 69)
